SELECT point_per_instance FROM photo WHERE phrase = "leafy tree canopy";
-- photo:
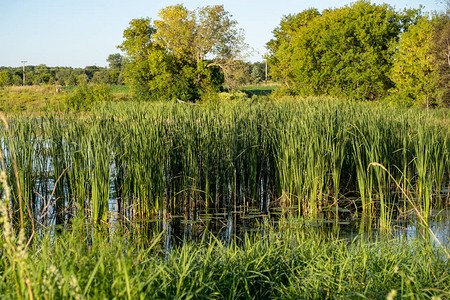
(185, 54)
(5, 78)
(414, 72)
(281, 47)
(343, 52)
(115, 61)
(440, 50)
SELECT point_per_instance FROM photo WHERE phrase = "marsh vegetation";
(126, 172)
(137, 191)
(139, 160)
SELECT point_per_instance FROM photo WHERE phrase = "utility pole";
(23, 63)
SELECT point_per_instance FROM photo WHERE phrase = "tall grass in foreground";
(288, 262)
(137, 161)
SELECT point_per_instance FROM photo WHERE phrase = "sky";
(79, 33)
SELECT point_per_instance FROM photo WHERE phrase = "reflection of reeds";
(143, 159)
(421, 214)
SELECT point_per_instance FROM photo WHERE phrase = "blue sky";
(79, 33)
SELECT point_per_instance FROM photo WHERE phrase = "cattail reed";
(133, 161)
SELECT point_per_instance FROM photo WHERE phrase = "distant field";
(45, 98)
(51, 98)
(260, 90)
(114, 89)
(30, 98)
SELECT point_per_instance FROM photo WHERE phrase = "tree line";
(361, 51)
(253, 73)
(186, 55)
(64, 76)
(364, 51)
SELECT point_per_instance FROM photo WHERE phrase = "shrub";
(233, 96)
(85, 96)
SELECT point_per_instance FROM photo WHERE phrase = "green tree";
(186, 54)
(115, 77)
(147, 68)
(41, 69)
(281, 47)
(90, 71)
(62, 75)
(85, 96)
(102, 77)
(258, 72)
(17, 80)
(47, 78)
(415, 73)
(82, 79)
(37, 80)
(5, 78)
(440, 50)
(115, 61)
(29, 78)
(72, 80)
(207, 34)
(342, 52)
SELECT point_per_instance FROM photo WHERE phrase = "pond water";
(227, 223)
(232, 225)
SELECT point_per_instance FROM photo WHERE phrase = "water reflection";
(232, 226)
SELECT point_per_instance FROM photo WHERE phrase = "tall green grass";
(123, 164)
(291, 261)
(135, 161)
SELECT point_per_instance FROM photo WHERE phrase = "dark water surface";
(233, 225)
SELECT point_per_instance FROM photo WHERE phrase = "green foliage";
(258, 72)
(82, 79)
(185, 55)
(441, 53)
(72, 80)
(102, 77)
(64, 76)
(85, 96)
(89, 72)
(151, 72)
(342, 52)
(233, 96)
(260, 89)
(29, 78)
(150, 77)
(30, 98)
(115, 61)
(146, 71)
(414, 72)
(281, 47)
(37, 80)
(17, 80)
(5, 78)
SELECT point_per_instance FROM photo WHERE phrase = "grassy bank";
(38, 99)
(31, 99)
(41, 99)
